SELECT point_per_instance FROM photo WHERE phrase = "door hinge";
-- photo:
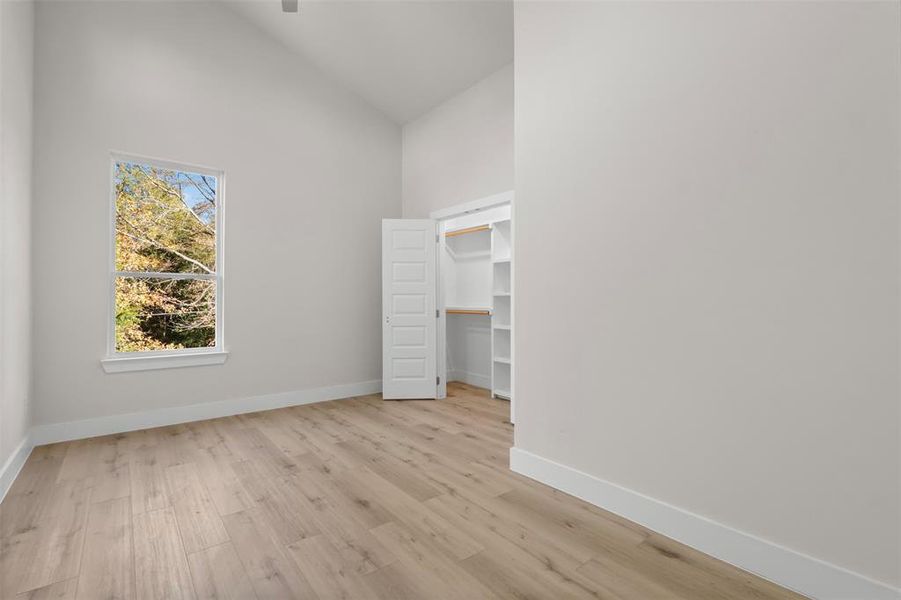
(437, 313)
(438, 380)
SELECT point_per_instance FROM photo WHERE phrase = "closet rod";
(457, 232)
(467, 311)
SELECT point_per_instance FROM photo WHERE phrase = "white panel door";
(409, 309)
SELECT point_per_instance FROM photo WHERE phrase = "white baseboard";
(14, 464)
(804, 574)
(476, 379)
(76, 430)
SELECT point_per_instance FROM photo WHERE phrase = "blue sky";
(193, 197)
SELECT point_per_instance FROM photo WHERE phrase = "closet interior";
(476, 290)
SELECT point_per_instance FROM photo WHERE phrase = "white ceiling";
(403, 57)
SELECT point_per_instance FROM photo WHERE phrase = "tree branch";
(162, 247)
(209, 193)
(156, 183)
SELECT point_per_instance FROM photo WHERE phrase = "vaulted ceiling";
(403, 57)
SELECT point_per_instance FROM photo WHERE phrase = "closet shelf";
(502, 327)
(501, 260)
(503, 394)
(500, 359)
(501, 294)
(471, 310)
(466, 230)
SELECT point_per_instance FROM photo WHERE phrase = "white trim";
(472, 206)
(155, 275)
(511, 393)
(804, 574)
(441, 332)
(164, 163)
(76, 430)
(476, 379)
(145, 361)
(14, 464)
(440, 216)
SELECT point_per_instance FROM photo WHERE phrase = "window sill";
(124, 364)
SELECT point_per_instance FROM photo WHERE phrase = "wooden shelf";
(466, 230)
(467, 311)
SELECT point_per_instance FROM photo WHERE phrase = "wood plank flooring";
(356, 498)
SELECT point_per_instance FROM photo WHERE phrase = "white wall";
(466, 271)
(16, 59)
(715, 187)
(461, 150)
(469, 349)
(310, 172)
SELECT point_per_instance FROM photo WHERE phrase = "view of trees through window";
(165, 258)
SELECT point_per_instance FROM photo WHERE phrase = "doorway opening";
(448, 301)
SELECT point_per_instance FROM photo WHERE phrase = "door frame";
(439, 216)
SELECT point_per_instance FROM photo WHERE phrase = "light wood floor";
(354, 498)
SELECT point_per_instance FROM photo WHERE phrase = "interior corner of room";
(502, 299)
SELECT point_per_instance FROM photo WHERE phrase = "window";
(166, 275)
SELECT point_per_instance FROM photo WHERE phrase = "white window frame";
(116, 362)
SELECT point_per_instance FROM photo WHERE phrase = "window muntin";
(166, 280)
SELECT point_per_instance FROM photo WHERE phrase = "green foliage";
(165, 223)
